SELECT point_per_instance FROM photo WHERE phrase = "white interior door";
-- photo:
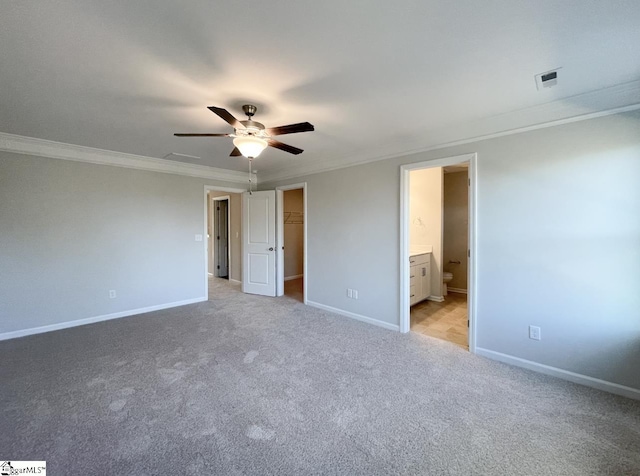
(259, 240)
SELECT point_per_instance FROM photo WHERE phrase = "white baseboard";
(91, 320)
(235, 281)
(456, 290)
(289, 278)
(436, 298)
(610, 387)
(353, 315)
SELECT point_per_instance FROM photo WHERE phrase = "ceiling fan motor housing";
(249, 109)
(252, 126)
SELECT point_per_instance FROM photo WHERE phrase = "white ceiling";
(371, 75)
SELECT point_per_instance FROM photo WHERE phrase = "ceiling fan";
(250, 138)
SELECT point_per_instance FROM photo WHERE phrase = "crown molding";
(613, 100)
(58, 150)
(603, 102)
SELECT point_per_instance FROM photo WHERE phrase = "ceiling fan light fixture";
(250, 146)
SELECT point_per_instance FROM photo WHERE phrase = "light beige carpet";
(253, 385)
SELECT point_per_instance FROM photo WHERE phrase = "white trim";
(207, 189)
(291, 278)
(92, 320)
(280, 226)
(436, 298)
(603, 102)
(215, 188)
(456, 290)
(405, 308)
(560, 373)
(58, 150)
(353, 315)
(472, 260)
(235, 281)
(279, 243)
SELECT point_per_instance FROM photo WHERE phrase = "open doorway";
(223, 227)
(265, 265)
(437, 249)
(219, 238)
(292, 232)
(293, 221)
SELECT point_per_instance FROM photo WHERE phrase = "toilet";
(446, 277)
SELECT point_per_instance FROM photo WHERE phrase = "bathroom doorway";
(437, 244)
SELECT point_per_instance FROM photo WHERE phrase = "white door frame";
(280, 238)
(405, 171)
(228, 199)
(207, 189)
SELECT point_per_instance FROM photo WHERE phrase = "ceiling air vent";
(177, 156)
(547, 79)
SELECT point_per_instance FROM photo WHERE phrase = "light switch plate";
(534, 333)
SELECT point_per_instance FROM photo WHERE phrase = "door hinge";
(469, 182)
(218, 266)
(468, 253)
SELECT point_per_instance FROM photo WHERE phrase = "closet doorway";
(292, 232)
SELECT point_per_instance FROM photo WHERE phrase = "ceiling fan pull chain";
(250, 161)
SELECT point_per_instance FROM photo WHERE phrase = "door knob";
(271, 249)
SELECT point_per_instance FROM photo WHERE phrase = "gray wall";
(70, 232)
(558, 243)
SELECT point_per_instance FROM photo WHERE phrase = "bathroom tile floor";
(445, 320)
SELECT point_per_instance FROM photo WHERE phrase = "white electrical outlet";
(112, 294)
(349, 293)
(355, 294)
(534, 332)
(198, 237)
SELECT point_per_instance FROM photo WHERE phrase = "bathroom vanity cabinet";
(419, 277)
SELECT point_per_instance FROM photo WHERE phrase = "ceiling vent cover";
(177, 156)
(548, 79)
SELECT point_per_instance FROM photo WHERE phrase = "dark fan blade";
(290, 129)
(226, 115)
(201, 135)
(235, 152)
(285, 147)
